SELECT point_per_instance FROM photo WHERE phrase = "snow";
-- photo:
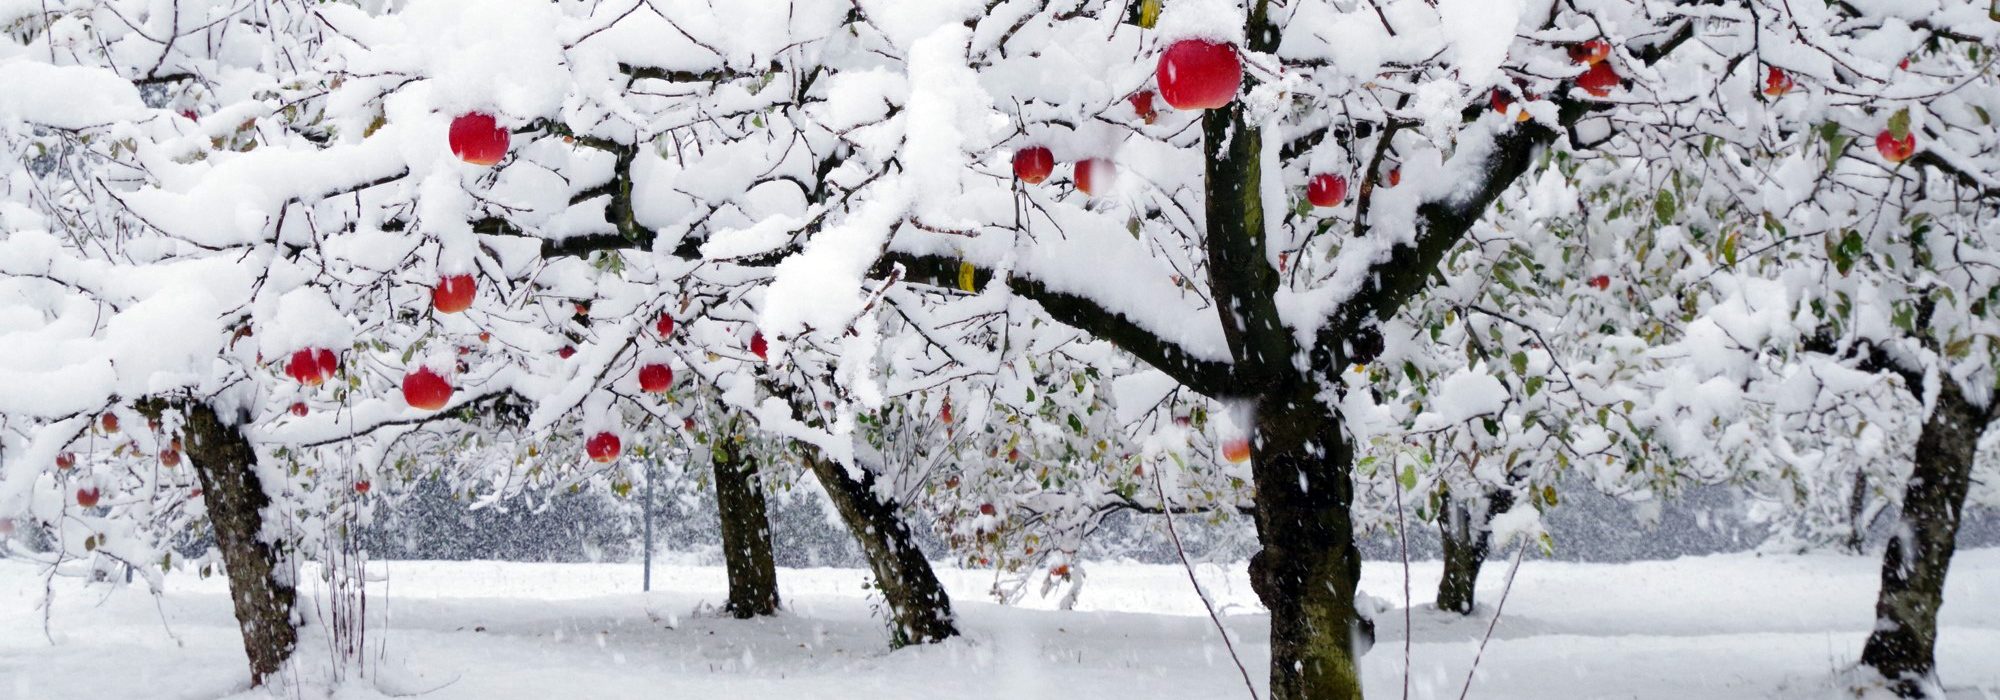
(1723, 627)
(65, 97)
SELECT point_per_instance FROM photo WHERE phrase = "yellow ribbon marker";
(965, 273)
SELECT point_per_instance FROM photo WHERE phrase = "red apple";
(110, 420)
(425, 389)
(1601, 282)
(478, 139)
(312, 366)
(1060, 571)
(1592, 52)
(1236, 449)
(665, 325)
(1199, 74)
(1094, 175)
(171, 457)
(1033, 164)
(1013, 454)
(362, 486)
(758, 347)
(567, 351)
(454, 293)
(688, 424)
(656, 378)
(987, 509)
(1893, 149)
(1599, 80)
(1326, 190)
(1502, 100)
(1142, 104)
(190, 114)
(1395, 177)
(603, 447)
(88, 497)
(299, 409)
(1778, 82)
(66, 460)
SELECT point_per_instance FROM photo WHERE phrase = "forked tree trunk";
(1904, 643)
(746, 532)
(226, 464)
(1309, 567)
(919, 610)
(1467, 537)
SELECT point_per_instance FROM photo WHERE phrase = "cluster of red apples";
(1196, 74)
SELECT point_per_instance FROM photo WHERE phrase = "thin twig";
(1495, 622)
(1185, 564)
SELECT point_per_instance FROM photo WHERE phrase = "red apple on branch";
(1142, 105)
(1893, 149)
(1033, 164)
(88, 497)
(603, 447)
(1599, 80)
(1502, 100)
(299, 409)
(311, 366)
(1591, 52)
(656, 378)
(665, 325)
(454, 293)
(425, 389)
(362, 486)
(66, 460)
(1236, 449)
(1601, 282)
(759, 347)
(1777, 82)
(1095, 175)
(1199, 74)
(478, 139)
(1325, 190)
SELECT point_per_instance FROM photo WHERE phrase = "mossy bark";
(225, 462)
(1904, 644)
(746, 532)
(1309, 567)
(919, 610)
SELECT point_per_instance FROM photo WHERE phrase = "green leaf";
(1409, 477)
(1664, 207)
(1520, 362)
(1899, 123)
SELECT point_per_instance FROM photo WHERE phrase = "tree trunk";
(1467, 538)
(746, 532)
(919, 610)
(1904, 642)
(1309, 567)
(226, 464)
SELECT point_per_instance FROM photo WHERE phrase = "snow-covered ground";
(1723, 626)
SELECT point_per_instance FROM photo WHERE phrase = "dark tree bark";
(919, 610)
(1904, 643)
(226, 464)
(746, 532)
(1467, 538)
(1309, 567)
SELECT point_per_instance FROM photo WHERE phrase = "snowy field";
(1724, 626)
